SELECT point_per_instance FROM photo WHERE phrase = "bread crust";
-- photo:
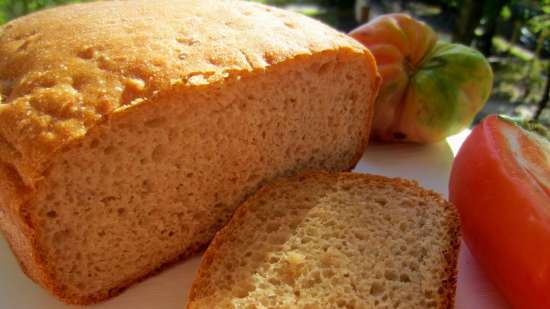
(57, 86)
(452, 220)
(101, 76)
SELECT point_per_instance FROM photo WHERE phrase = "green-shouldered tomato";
(431, 89)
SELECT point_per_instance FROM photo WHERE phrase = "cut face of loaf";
(333, 241)
(127, 147)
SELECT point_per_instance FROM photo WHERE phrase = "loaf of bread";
(131, 130)
(323, 240)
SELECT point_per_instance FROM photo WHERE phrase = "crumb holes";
(243, 106)
(147, 185)
(360, 236)
(328, 273)
(428, 294)
(376, 289)
(108, 199)
(390, 275)
(51, 214)
(121, 211)
(381, 201)
(404, 278)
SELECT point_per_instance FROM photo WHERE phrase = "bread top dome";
(67, 69)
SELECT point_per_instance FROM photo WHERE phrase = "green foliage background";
(10, 9)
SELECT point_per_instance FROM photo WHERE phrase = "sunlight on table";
(455, 141)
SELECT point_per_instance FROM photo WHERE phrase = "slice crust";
(339, 240)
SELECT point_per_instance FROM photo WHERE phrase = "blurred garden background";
(513, 34)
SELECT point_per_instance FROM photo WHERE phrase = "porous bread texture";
(119, 156)
(344, 240)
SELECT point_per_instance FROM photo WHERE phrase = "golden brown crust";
(453, 223)
(55, 85)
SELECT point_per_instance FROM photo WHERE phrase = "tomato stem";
(410, 68)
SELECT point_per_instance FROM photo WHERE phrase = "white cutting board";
(429, 165)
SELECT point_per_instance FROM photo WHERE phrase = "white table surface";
(429, 165)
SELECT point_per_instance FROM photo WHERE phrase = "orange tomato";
(430, 89)
(500, 183)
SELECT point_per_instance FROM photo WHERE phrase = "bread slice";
(324, 240)
(131, 130)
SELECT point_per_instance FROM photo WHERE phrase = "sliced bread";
(324, 240)
(131, 130)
